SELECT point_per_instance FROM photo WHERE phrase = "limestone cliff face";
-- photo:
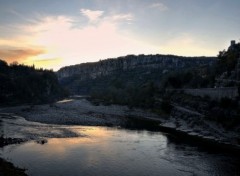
(130, 62)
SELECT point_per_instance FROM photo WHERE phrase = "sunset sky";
(55, 33)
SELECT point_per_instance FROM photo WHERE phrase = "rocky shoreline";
(199, 127)
(7, 168)
(77, 112)
(184, 124)
(83, 112)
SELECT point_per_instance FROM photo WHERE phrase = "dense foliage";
(228, 59)
(146, 88)
(25, 84)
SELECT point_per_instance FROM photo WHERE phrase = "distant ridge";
(106, 67)
(128, 70)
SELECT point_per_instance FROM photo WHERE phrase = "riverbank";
(82, 112)
(7, 168)
(78, 112)
(47, 121)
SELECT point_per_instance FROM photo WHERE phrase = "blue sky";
(54, 33)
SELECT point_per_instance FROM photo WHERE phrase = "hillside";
(157, 83)
(23, 84)
(129, 70)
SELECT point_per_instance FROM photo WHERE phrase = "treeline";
(142, 96)
(21, 84)
(145, 96)
(146, 88)
(228, 59)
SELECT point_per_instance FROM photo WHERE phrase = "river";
(81, 150)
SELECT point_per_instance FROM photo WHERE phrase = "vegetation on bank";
(149, 88)
(148, 91)
(21, 84)
(228, 59)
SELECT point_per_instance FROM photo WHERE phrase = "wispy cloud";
(96, 16)
(103, 37)
(19, 54)
(88, 43)
(159, 6)
(92, 15)
(122, 17)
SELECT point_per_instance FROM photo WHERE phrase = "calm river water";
(112, 151)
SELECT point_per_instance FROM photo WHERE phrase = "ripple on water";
(79, 150)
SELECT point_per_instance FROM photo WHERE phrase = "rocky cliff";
(131, 62)
(128, 71)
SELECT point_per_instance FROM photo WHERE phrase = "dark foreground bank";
(7, 168)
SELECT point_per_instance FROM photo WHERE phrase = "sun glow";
(67, 34)
(66, 45)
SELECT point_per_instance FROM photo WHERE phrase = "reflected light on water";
(113, 151)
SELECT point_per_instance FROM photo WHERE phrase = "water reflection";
(114, 151)
(110, 152)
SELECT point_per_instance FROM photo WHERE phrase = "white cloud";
(122, 17)
(92, 15)
(159, 6)
(86, 44)
(96, 16)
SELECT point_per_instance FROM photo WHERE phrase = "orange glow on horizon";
(54, 42)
